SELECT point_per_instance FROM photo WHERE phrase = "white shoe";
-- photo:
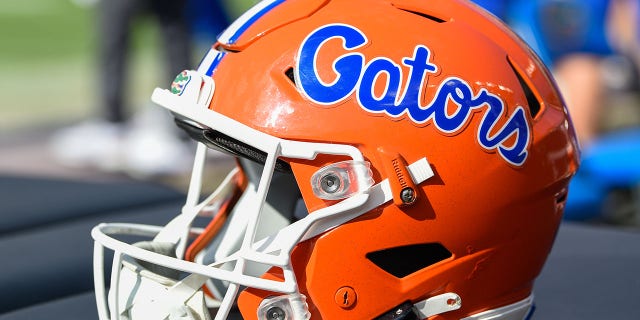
(89, 144)
(153, 146)
(150, 146)
(156, 153)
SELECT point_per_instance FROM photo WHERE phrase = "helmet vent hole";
(405, 260)
(290, 75)
(561, 197)
(424, 15)
(532, 101)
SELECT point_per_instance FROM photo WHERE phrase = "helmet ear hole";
(403, 261)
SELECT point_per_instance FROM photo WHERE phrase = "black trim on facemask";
(221, 142)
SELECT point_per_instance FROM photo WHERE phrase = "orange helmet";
(397, 159)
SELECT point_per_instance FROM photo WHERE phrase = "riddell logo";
(357, 76)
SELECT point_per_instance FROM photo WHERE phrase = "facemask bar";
(274, 250)
(274, 148)
(314, 224)
(200, 273)
(177, 231)
(283, 242)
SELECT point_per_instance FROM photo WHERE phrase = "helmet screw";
(408, 195)
(330, 183)
(275, 313)
(346, 297)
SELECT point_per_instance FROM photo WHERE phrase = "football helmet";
(396, 159)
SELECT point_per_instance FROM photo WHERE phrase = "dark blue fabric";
(565, 26)
(48, 253)
(614, 158)
(592, 273)
(611, 162)
(496, 7)
(556, 28)
(46, 272)
(52, 262)
(29, 202)
(207, 19)
(78, 307)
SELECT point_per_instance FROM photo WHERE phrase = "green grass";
(48, 57)
(46, 62)
(43, 29)
(45, 46)
(237, 7)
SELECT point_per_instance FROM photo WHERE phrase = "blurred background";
(52, 58)
(57, 62)
(81, 143)
(592, 49)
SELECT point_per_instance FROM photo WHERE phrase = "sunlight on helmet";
(315, 99)
(341, 180)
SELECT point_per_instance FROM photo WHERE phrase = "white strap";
(439, 304)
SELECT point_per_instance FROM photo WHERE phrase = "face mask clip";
(341, 180)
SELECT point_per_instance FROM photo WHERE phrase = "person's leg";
(114, 29)
(175, 33)
(580, 81)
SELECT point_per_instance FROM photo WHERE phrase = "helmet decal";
(180, 83)
(356, 75)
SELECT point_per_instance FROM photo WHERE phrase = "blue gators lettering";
(348, 66)
(354, 76)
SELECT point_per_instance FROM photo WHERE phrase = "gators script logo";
(357, 76)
